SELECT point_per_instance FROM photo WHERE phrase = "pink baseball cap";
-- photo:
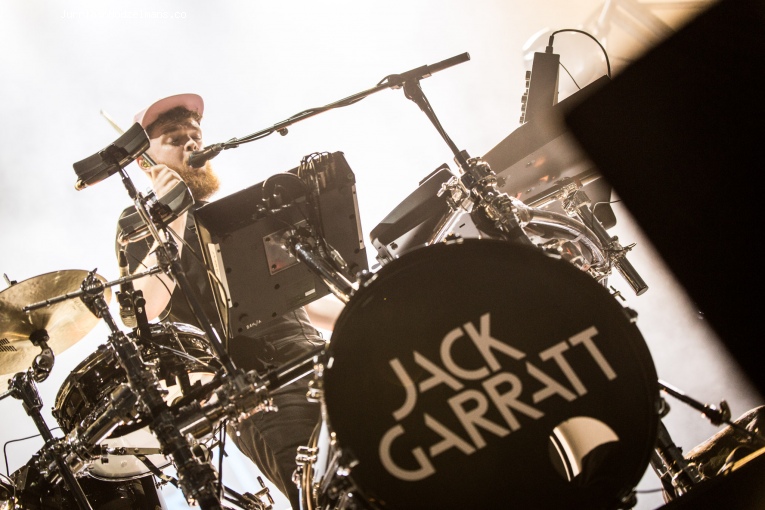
(148, 115)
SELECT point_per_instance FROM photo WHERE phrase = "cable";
(140, 263)
(605, 53)
(12, 484)
(5, 446)
(195, 256)
(570, 75)
(221, 453)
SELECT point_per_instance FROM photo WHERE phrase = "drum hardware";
(676, 474)
(180, 357)
(730, 448)
(105, 449)
(339, 284)
(199, 479)
(31, 488)
(302, 366)
(198, 419)
(584, 241)
(578, 203)
(261, 500)
(602, 251)
(22, 387)
(717, 415)
(323, 475)
(81, 445)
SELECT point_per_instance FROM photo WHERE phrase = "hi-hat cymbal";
(66, 322)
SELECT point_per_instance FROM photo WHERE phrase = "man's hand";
(163, 179)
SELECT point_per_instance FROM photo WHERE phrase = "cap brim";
(191, 102)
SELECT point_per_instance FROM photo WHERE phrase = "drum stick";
(121, 131)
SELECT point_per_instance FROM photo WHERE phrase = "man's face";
(172, 145)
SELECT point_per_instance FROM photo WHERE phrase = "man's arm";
(158, 288)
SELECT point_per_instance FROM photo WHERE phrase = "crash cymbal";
(66, 322)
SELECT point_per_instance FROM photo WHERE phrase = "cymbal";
(66, 322)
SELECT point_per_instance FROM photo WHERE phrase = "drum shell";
(530, 301)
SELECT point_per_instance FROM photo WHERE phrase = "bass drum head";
(484, 374)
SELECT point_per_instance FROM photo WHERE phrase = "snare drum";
(182, 358)
(482, 374)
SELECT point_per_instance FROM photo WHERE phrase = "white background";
(257, 63)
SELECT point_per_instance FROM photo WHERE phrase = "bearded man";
(269, 439)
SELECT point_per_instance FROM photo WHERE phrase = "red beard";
(202, 182)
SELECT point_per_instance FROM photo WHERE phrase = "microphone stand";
(478, 185)
(393, 81)
(478, 182)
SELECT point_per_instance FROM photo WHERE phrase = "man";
(268, 439)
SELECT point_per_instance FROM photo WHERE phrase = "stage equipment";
(255, 240)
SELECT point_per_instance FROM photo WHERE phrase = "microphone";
(396, 81)
(125, 296)
(197, 159)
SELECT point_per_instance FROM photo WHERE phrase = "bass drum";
(182, 359)
(483, 374)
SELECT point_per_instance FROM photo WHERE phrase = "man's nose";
(191, 145)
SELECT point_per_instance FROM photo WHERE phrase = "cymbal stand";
(198, 479)
(677, 475)
(22, 387)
